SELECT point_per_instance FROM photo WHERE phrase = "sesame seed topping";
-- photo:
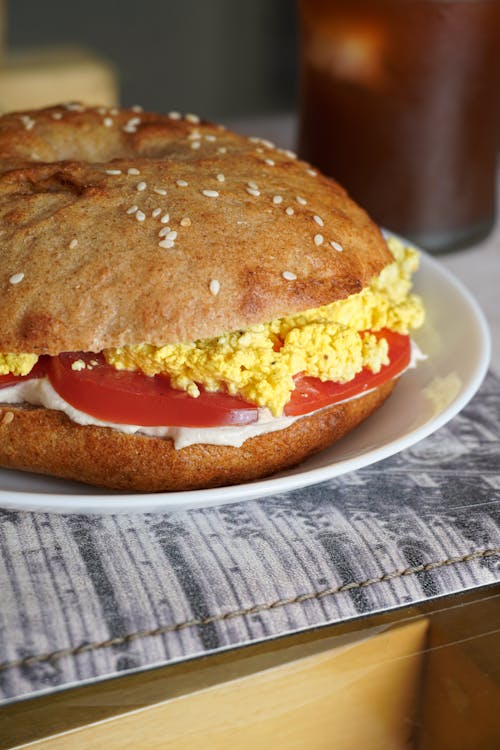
(318, 220)
(114, 111)
(113, 171)
(289, 276)
(195, 144)
(222, 150)
(159, 191)
(141, 186)
(289, 210)
(318, 239)
(165, 218)
(210, 137)
(166, 243)
(56, 115)
(140, 215)
(74, 106)
(290, 154)
(252, 191)
(253, 185)
(73, 244)
(192, 118)
(214, 287)
(194, 135)
(16, 278)
(164, 231)
(107, 122)
(270, 162)
(278, 199)
(336, 246)
(185, 222)
(210, 193)
(133, 122)
(136, 108)
(312, 172)
(156, 212)
(132, 209)
(221, 177)
(27, 121)
(7, 417)
(171, 235)
(129, 128)
(301, 200)
(174, 115)
(133, 170)
(267, 144)
(182, 183)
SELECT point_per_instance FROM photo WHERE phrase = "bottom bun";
(47, 442)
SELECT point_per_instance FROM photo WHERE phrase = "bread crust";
(94, 276)
(48, 442)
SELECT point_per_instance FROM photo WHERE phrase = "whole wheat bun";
(94, 277)
(84, 194)
(48, 442)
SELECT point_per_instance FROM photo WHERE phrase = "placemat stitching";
(424, 567)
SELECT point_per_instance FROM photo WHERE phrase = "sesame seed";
(140, 215)
(289, 276)
(214, 287)
(267, 144)
(56, 115)
(107, 122)
(141, 186)
(290, 154)
(74, 106)
(132, 209)
(159, 191)
(278, 199)
(195, 144)
(166, 243)
(133, 170)
(253, 185)
(194, 135)
(289, 211)
(318, 220)
(318, 239)
(185, 222)
(192, 118)
(259, 150)
(113, 171)
(114, 111)
(7, 417)
(16, 278)
(133, 122)
(301, 200)
(222, 150)
(156, 212)
(270, 162)
(210, 137)
(221, 177)
(137, 108)
(165, 218)
(174, 115)
(27, 121)
(336, 246)
(253, 139)
(129, 128)
(163, 232)
(210, 193)
(251, 191)
(182, 183)
(312, 172)
(73, 244)
(172, 235)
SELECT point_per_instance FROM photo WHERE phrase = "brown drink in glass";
(400, 102)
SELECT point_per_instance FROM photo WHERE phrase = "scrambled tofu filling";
(259, 363)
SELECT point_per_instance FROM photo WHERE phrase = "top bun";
(259, 234)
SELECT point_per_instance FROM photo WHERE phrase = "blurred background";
(219, 58)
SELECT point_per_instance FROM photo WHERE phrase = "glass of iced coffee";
(400, 102)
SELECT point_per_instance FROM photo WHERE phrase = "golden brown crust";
(46, 441)
(116, 285)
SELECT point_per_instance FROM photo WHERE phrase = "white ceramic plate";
(456, 340)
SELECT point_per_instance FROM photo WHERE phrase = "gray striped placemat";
(85, 598)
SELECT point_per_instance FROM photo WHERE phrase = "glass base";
(447, 241)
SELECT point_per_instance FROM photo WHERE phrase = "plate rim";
(112, 502)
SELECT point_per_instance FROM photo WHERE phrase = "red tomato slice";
(38, 371)
(311, 394)
(133, 398)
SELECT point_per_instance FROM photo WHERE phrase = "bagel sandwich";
(184, 307)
